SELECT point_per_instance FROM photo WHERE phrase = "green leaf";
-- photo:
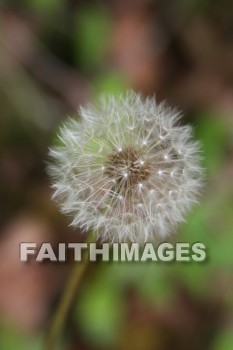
(92, 36)
(45, 6)
(224, 341)
(214, 136)
(110, 82)
(12, 338)
(99, 313)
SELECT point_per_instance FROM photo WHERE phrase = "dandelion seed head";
(126, 168)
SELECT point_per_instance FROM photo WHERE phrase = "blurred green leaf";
(214, 135)
(110, 82)
(45, 6)
(99, 313)
(92, 36)
(154, 284)
(224, 341)
(11, 339)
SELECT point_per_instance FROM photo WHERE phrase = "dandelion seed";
(116, 172)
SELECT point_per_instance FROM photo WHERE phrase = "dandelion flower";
(126, 168)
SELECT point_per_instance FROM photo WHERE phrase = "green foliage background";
(29, 119)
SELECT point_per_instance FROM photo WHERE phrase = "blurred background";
(55, 55)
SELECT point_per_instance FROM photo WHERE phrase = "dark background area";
(54, 56)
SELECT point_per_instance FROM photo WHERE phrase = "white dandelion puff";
(126, 169)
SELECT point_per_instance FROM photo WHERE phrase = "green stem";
(67, 298)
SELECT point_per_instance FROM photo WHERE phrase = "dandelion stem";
(67, 298)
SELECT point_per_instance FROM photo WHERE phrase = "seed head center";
(128, 167)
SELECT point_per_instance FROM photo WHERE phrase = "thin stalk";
(67, 298)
